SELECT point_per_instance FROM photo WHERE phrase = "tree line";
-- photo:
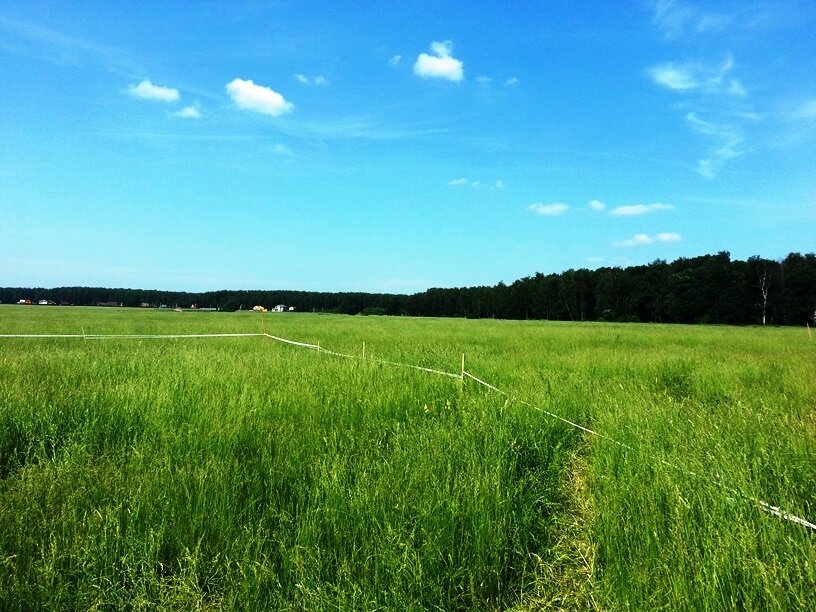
(705, 289)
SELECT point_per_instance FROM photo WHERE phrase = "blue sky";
(396, 146)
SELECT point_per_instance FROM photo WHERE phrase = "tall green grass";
(244, 473)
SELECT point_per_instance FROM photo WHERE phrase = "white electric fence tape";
(130, 336)
(763, 505)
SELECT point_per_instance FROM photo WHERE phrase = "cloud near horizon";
(548, 210)
(246, 95)
(146, 90)
(440, 65)
(634, 210)
(645, 239)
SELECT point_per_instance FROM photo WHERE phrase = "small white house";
(279, 308)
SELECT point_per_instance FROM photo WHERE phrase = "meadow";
(245, 473)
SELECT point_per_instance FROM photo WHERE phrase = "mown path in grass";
(245, 473)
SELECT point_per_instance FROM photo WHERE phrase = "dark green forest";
(705, 289)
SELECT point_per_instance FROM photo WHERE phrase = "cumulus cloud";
(634, 210)
(148, 91)
(645, 239)
(548, 210)
(394, 60)
(188, 112)
(694, 76)
(458, 182)
(256, 98)
(597, 205)
(440, 64)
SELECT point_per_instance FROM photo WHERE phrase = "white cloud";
(668, 237)
(549, 210)
(672, 76)
(807, 110)
(639, 209)
(511, 82)
(314, 80)
(148, 91)
(729, 144)
(645, 239)
(188, 112)
(676, 18)
(694, 76)
(466, 182)
(257, 98)
(282, 150)
(713, 23)
(440, 65)
(597, 205)
(394, 60)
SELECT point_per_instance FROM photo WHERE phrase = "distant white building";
(279, 308)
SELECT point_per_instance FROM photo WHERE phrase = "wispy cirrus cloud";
(548, 210)
(676, 19)
(60, 49)
(689, 77)
(247, 95)
(646, 239)
(440, 63)
(311, 80)
(634, 210)
(705, 88)
(597, 205)
(728, 144)
(466, 182)
(806, 110)
(157, 93)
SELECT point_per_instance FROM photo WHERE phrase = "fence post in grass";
(363, 349)
(462, 375)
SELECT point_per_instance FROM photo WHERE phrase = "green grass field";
(244, 473)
